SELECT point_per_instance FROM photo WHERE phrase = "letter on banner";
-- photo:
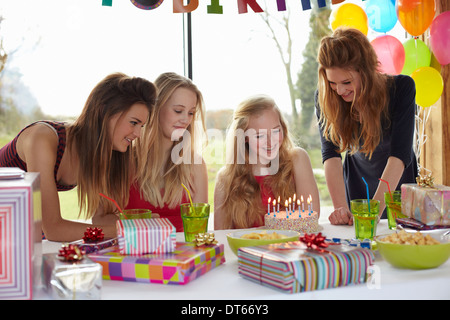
(281, 4)
(306, 4)
(215, 7)
(178, 6)
(242, 6)
(107, 3)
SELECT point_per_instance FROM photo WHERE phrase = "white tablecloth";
(224, 282)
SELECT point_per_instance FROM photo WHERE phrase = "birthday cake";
(303, 222)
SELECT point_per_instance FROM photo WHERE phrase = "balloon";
(440, 37)
(416, 15)
(429, 86)
(349, 15)
(417, 55)
(381, 15)
(434, 63)
(390, 52)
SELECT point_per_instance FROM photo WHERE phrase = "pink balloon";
(440, 37)
(391, 54)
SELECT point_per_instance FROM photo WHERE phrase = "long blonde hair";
(101, 169)
(344, 123)
(242, 205)
(154, 172)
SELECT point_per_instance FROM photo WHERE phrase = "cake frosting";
(306, 222)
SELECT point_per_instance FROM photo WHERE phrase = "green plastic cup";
(365, 221)
(393, 208)
(195, 219)
(135, 214)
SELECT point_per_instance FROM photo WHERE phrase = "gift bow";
(204, 238)
(71, 253)
(93, 235)
(314, 241)
(426, 181)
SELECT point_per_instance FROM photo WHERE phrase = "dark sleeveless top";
(10, 158)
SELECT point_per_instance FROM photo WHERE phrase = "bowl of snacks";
(414, 250)
(257, 237)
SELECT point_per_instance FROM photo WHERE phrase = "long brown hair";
(154, 171)
(348, 124)
(101, 169)
(242, 205)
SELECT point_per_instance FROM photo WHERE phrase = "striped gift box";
(20, 236)
(291, 267)
(186, 263)
(141, 236)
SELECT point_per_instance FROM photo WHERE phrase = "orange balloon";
(415, 15)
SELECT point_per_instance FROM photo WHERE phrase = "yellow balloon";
(429, 86)
(349, 15)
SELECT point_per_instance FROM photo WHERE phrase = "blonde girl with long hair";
(369, 115)
(93, 153)
(262, 162)
(168, 155)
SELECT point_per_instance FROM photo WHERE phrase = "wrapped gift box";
(429, 205)
(89, 247)
(141, 236)
(20, 235)
(292, 267)
(62, 280)
(185, 264)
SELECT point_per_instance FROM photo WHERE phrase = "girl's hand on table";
(341, 216)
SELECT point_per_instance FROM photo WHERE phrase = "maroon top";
(10, 158)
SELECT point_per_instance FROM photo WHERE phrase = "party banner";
(215, 7)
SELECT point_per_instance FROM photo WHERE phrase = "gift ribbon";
(93, 235)
(70, 253)
(427, 181)
(314, 242)
(204, 239)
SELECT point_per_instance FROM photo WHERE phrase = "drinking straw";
(367, 189)
(189, 194)
(114, 201)
(389, 188)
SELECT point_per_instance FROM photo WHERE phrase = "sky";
(64, 48)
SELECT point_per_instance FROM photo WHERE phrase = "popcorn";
(263, 236)
(404, 237)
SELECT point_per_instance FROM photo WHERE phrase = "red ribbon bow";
(93, 235)
(314, 241)
(70, 253)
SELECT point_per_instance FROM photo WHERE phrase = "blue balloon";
(381, 15)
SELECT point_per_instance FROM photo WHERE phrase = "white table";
(224, 282)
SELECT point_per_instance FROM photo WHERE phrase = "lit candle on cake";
(298, 207)
(311, 204)
(293, 202)
(268, 205)
(274, 203)
(303, 203)
(290, 205)
(278, 205)
(286, 205)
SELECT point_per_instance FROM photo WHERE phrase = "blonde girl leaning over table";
(166, 154)
(368, 114)
(93, 153)
(261, 163)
